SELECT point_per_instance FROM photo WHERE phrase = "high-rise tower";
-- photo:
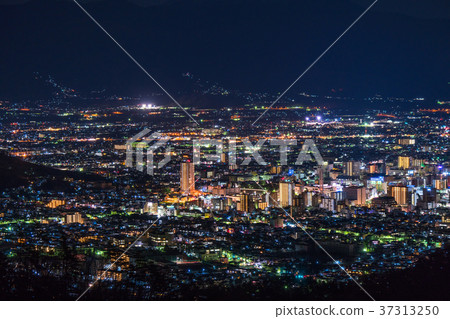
(187, 180)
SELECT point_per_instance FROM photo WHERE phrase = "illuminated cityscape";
(226, 195)
(377, 204)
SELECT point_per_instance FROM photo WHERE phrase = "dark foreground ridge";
(427, 280)
(15, 172)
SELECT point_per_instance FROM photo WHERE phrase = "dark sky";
(400, 48)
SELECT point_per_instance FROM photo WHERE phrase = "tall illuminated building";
(244, 203)
(352, 168)
(372, 168)
(361, 196)
(406, 141)
(348, 168)
(275, 170)
(73, 218)
(400, 194)
(286, 194)
(416, 162)
(403, 162)
(55, 203)
(440, 184)
(356, 194)
(187, 181)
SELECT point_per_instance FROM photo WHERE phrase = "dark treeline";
(427, 280)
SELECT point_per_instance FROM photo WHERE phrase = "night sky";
(400, 48)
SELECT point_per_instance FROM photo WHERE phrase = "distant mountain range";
(248, 45)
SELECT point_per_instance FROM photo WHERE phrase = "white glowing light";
(147, 106)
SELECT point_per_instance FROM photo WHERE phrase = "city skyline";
(225, 151)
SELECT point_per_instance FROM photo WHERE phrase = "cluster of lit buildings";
(379, 201)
